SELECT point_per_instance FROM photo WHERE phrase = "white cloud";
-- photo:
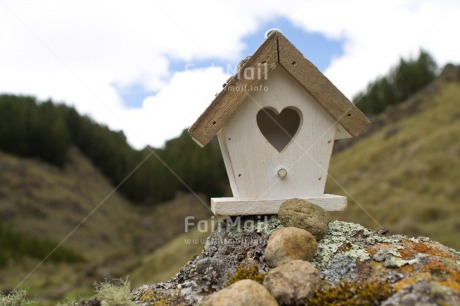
(76, 51)
(377, 34)
(177, 106)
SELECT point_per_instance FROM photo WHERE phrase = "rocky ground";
(421, 271)
(300, 258)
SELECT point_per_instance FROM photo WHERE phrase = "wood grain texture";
(231, 97)
(319, 86)
(277, 50)
(235, 207)
(227, 162)
(253, 163)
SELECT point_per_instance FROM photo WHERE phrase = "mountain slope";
(41, 199)
(44, 201)
(407, 174)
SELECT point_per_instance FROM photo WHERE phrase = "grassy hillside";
(38, 200)
(169, 259)
(407, 175)
(43, 200)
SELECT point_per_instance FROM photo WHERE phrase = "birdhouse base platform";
(237, 207)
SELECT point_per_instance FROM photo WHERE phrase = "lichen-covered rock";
(234, 241)
(305, 215)
(242, 293)
(424, 293)
(293, 283)
(350, 251)
(347, 251)
(289, 243)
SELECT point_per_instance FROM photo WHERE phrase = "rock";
(383, 231)
(288, 244)
(395, 262)
(414, 266)
(242, 293)
(293, 283)
(234, 241)
(302, 214)
(424, 293)
(340, 267)
(426, 272)
(379, 256)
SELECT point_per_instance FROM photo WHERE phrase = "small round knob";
(282, 173)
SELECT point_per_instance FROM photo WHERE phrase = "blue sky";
(124, 66)
(315, 46)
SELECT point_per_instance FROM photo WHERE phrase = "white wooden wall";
(253, 163)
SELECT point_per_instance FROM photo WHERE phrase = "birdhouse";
(276, 121)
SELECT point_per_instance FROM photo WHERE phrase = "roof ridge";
(276, 51)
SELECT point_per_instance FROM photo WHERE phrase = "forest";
(403, 80)
(46, 130)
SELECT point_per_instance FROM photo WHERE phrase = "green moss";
(352, 294)
(245, 272)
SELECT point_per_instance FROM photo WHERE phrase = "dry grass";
(114, 294)
(42, 200)
(169, 259)
(17, 297)
(409, 182)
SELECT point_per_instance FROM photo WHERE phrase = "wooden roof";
(277, 50)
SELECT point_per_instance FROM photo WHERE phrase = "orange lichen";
(407, 269)
(442, 271)
(411, 247)
(345, 247)
(372, 249)
(408, 251)
(409, 281)
(435, 270)
(440, 266)
(451, 285)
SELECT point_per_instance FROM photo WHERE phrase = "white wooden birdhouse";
(276, 121)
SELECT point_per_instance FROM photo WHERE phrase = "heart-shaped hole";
(279, 128)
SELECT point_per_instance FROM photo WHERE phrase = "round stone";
(289, 243)
(242, 293)
(305, 215)
(293, 283)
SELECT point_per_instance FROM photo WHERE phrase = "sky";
(150, 68)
